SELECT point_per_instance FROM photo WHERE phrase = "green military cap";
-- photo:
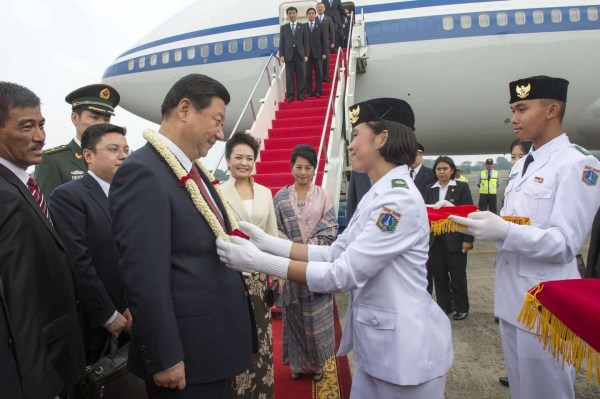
(99, 98)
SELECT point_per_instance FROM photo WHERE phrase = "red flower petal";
(184, 179)
(239, 233)
(215, 182)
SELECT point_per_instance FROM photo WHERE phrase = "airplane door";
(301, 5)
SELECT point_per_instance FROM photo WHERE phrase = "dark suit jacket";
(358, 186)
(317, 42)
(328, 30)
(10, 383)
(289, 41)
(424, 178)
(459, 195)
(335, 11)
(592, 269)
(81, 215)
(40, 298)
(186, 304)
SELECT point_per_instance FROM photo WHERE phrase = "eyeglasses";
(113, 149)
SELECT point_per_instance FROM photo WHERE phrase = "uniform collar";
(75, 139)
(450, 183)
(18, 171)
(545, 150)
(398, 172)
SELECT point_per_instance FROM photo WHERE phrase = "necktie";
(412, 174)
(331, 3)
(528, 160)
(35, 191)
(320, 18)
(293, 29)
(311, 26)
(489, 174)
(213, 207)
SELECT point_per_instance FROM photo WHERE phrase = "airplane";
(451, 60)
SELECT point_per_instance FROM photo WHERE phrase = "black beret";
(489, 161)
(389, 109)
(99, 98)
(538, 87)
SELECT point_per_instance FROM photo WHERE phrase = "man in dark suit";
(34, 267)
(316, 54)
(329, 33)
(193, 326)
(10, 383)
(358, 186)
(421, 174)
(293, 50)
(81, 216)
(334, 9)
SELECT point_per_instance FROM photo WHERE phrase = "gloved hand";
(485, 226)
(264, 242)
(442, 203)
(240, 254)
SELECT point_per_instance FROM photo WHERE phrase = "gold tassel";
(559, 339)
(442, 226)
(518, 220)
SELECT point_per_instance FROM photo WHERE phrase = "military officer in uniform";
(91, 104)
(400, 351)
(556, 186)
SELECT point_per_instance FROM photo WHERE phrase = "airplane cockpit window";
(204, 50)
(448, 23)
(263, 41)
(276, 40)
(153, 59)
(142, 62)
(178, 55)
(233, 45)
(538, 17)
(556, 15)
(218, 48)
(165, 57)
(247, 44)
(592, 13)
(131, 65)
(501, 19)
(574, 15)
(465, 21)
(484, 20)
(520, 18)
(191, 53)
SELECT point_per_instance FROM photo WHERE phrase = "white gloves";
(485, 226)
(267, 243)
(242, 255)
(442, 203)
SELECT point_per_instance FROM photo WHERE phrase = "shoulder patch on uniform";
(590, 175)
(56, 149)
(388, 220)
(582, 150)
(399, 183)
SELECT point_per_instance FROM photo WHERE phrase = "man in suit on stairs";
(316, 54)
(334, 9)
(293, 50)
(421, 174)
(329, 36)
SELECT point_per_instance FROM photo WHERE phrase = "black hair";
(311, 9)
(420, 147)
(305, 151)
(450, 163)
(525, 145)
(290, 9)
(199, 89)
(93, 134)
(400, 147)
(241, 138)
(12, 96)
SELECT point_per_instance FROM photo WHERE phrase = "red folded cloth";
(439, 222)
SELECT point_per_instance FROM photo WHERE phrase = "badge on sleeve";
(399, 183)
(590, 176)
(388, 220)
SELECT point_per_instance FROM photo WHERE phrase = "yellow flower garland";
(192, 188)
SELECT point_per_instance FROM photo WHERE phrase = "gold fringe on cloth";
(443, 226)
(557, 337)
(518, 220)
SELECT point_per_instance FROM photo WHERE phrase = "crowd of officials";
(101, 244)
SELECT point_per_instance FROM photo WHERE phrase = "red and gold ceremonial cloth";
(440, 224)
(566, 316)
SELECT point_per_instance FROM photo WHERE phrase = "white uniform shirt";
(396, 330)
(561, 206)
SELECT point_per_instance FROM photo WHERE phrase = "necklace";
(300, 203)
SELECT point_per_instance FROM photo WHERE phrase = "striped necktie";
(35, 191)
(207, 197)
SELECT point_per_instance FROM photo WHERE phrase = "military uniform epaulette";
(582, 150)
(56, 149)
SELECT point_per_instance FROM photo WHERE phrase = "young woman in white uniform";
(400, 338)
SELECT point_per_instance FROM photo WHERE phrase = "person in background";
(460, 177)
(317, 40)
(421, 174)
(293, 50)
(305, 214)
(448, 252)
(90, 105)
(252, 203)
(329, 32)
(488, 183)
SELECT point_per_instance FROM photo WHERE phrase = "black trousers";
(488, 202)
(313, 64)
(295, 75)
(326, 65)
(449, 276)
(210, 390)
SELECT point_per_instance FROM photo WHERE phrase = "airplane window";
(218, 48)
(465, 21)
(538, 17)
(248, 44)
(520, 18)
(153, 59)
(484, 20)
(592, 13)
(501, 19)
(574, 15)
(204, 51)
(395, 28)
(412, 26)
(448, 23)
(131, 65)
(556, 15)
(233, 46)
(262, 42)
(276, 40)
(191, 53)
(142, 62)
(165, 57)
(178, 55)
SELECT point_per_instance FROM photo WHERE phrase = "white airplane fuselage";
(451, 61)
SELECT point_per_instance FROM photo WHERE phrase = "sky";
(56, 47)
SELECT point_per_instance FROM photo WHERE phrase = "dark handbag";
(272, 292)
(109, 378)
